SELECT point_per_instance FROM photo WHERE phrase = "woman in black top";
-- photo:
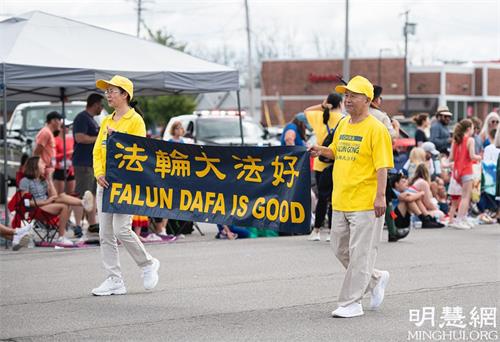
(422, 121)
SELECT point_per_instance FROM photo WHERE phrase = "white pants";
(355, 238)
(113, 227)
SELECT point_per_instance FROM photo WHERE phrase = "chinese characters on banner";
(264, 187)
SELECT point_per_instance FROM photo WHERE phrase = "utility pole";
(345, 72)
(250, 64)
(409, 28)
(139, 13)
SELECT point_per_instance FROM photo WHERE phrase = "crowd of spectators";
(449, 177)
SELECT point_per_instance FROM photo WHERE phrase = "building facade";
(290, 86)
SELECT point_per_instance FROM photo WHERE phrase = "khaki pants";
(113, 227)
(355, 237)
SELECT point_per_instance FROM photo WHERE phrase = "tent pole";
(241, 119)
(4, 132)
(63, 131)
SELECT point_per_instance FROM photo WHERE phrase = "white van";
(219, 130)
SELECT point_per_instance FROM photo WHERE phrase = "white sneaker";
(26, 229)
(471, 222)
(459, 225)
(88, 201)
(111, 286)
(328, 238)
(153, 237)
(150, 274)
(314, 236)
(63, 240)
(352, 310)
(20, 239)
(378, 291)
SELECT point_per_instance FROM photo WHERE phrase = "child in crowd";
(438, 189)
(421, 181)
(408, 201)
(463, 156)
(417, 157)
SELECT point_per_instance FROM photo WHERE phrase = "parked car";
(23, 126)
(220, 130)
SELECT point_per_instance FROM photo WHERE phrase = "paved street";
(268, 289)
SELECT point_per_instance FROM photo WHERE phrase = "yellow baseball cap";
(117, 81)
(357, 84)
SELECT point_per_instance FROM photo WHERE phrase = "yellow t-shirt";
(315, 119)
(130, 123)
(360, 150)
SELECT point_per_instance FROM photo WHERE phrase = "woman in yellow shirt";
(323, 118)
(125, 119)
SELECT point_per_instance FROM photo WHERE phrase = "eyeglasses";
(494, 121)
(110, 91)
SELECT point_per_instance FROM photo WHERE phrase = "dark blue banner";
(264, 187)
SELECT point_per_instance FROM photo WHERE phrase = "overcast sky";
(446, 30)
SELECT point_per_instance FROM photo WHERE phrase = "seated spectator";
(417, 157)
(140, 225)
(421, 182)
(20, 171)
(438, 189)
(408, 201)
(231, 232)
(46, 198)
(20, 237)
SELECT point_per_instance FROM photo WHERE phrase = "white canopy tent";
(47, 57)
(40, 53)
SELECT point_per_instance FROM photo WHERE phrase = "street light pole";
(250, 65)
(139, 13)
(409, 28)
(345, 72)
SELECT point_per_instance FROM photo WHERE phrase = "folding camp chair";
(45, 225)
(177, 227)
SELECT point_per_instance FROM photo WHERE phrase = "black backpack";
(328, 140)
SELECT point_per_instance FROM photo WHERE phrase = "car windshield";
(35, 116)
(227, 128)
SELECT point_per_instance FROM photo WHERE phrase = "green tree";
(159, 109)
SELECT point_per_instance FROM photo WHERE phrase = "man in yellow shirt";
(363, 152)
(323, 119)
